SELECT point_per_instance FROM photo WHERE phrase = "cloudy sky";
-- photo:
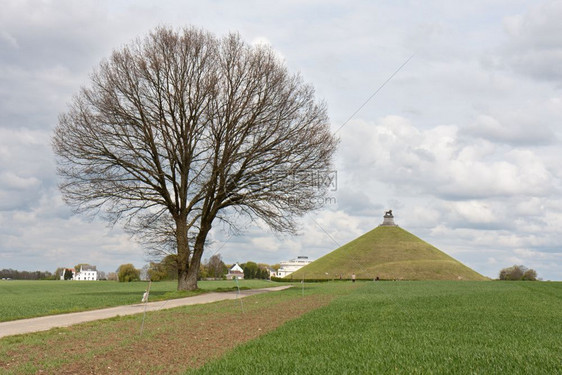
(463, 142)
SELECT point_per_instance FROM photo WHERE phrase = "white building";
(85, 273)
(292, 265)
(236, 272)
(272, 272)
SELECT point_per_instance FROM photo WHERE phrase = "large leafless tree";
(182, 128)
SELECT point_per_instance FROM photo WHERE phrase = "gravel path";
(45, 323)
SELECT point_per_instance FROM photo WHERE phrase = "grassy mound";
(389, 253)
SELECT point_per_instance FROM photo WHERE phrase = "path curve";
(44, 323)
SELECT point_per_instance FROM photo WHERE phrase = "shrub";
(518, 273)
(128, 272)
(67, 274)
(530, 275)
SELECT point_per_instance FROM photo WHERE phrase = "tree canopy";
(215, 267)
(128, 272)
(516, 272)
(166, 269)
(181, 128)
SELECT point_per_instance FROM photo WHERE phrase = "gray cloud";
(441, 163)
(463, 143)
(353, 200)
(534, 46)
(524, 129)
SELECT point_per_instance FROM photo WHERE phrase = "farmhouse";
(235, 272)
(292, 265)
(86, 272)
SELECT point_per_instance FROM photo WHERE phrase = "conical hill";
(387, 252)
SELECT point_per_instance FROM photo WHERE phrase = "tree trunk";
(187, 281)
(188, 267)
(183, 256)
(187, 277)
(190, 281)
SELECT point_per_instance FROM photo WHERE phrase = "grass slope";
(389, 253)
(422, 327)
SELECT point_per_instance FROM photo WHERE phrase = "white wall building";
(85, 273)
(292, 265)
(235, 272)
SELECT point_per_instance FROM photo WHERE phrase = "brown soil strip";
(172, 341)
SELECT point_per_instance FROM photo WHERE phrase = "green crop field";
(419, 327)
(26, 299)
(402, 327)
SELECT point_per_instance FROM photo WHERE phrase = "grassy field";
(172, 341)
(389, 253)
(416, 328)
(26, 299)
(423, 327)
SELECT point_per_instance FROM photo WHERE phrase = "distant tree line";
(518, 273)
(166, 269)
(211, 268)
(26, 275)
(253, 270)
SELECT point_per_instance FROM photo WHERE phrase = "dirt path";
(45, 323)
(171, 342)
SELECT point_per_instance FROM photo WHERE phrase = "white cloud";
(11, 181)
(261, 40)
(526, 253)
(463, 143)
(267, 244)
(474, 211)
(441, 162)
(517, 129)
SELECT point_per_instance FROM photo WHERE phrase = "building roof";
(236, 267)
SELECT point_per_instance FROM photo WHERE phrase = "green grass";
(389, 253)
(420, 327)
(26, 299)
(173, 340)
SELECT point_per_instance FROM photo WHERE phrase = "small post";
(145, 301)
(238, 294)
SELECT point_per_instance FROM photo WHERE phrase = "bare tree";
(182, 128)
(216, 267)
